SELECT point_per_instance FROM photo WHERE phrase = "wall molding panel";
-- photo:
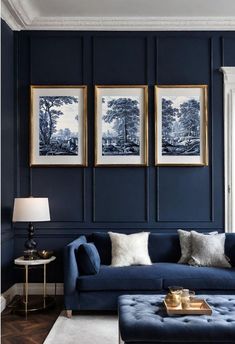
(154, 58)
(122, 199)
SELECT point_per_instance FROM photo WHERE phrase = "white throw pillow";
(130, 249)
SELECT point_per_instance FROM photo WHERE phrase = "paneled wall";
(125, 199)
(7, 154)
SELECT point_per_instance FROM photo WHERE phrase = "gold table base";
(34, 306)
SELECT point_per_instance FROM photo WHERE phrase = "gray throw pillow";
(208, 250)
(185, 238)
(185, 245)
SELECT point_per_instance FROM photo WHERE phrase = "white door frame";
(229, 147)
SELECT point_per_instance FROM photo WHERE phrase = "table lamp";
(31, 209)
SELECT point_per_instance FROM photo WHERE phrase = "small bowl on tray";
(44, 254)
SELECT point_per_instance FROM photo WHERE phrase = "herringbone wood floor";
(17, 330)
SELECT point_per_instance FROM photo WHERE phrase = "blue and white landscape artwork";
(120, 125)
(181, 125)
(58, 125)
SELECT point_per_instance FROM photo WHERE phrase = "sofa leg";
(69, 313)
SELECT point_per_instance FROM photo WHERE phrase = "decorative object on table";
(173, 298)
(181, 301)
(208, 250)
(186, 298)
(58, 125)
(181, 125)
(130, 249)
(31, 209)
(197, 307)
(121, 125)
(44, 254)
(185, 238)
(24, 306)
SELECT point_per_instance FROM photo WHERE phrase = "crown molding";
(20, 15)
(23, 11)
(10, 18)
(132, 24)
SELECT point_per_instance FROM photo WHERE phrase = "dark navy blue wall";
(123, 199)
(7, 153)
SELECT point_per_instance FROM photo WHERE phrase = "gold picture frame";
(114, 151)
(59, 136)
(178, 144)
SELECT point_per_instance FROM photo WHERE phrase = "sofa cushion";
(158, 276)
(122, 278)
(88, 259)
(164, 247)
(198, 278)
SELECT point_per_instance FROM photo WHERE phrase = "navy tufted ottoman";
(143, 320)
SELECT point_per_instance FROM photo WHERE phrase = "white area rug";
(84, 329)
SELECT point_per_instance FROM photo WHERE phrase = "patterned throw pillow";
(130, 249)
(186, 245)
(208, 250)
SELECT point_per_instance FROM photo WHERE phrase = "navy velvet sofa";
(101, 291)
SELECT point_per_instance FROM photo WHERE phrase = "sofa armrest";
(71, 271)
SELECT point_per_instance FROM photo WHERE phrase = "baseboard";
(34, 289)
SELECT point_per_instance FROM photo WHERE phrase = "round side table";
(47, 301)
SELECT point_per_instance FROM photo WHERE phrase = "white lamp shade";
(31, 209)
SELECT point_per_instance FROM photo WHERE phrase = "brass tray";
(197, 307)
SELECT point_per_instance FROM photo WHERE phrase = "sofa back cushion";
(230, 247)
(163, 247)
(103, 244)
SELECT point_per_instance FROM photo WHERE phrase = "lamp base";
(30, 243)
(30, 255)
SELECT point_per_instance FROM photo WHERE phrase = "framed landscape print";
(121, 125)
(58, 126)
(181, 125)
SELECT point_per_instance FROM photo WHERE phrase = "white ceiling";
(133, 8)
(120, 14)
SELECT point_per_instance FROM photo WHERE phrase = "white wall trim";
(10, 18)
(21, 16)
(34, 289)
(229, 147)
(131, 23)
